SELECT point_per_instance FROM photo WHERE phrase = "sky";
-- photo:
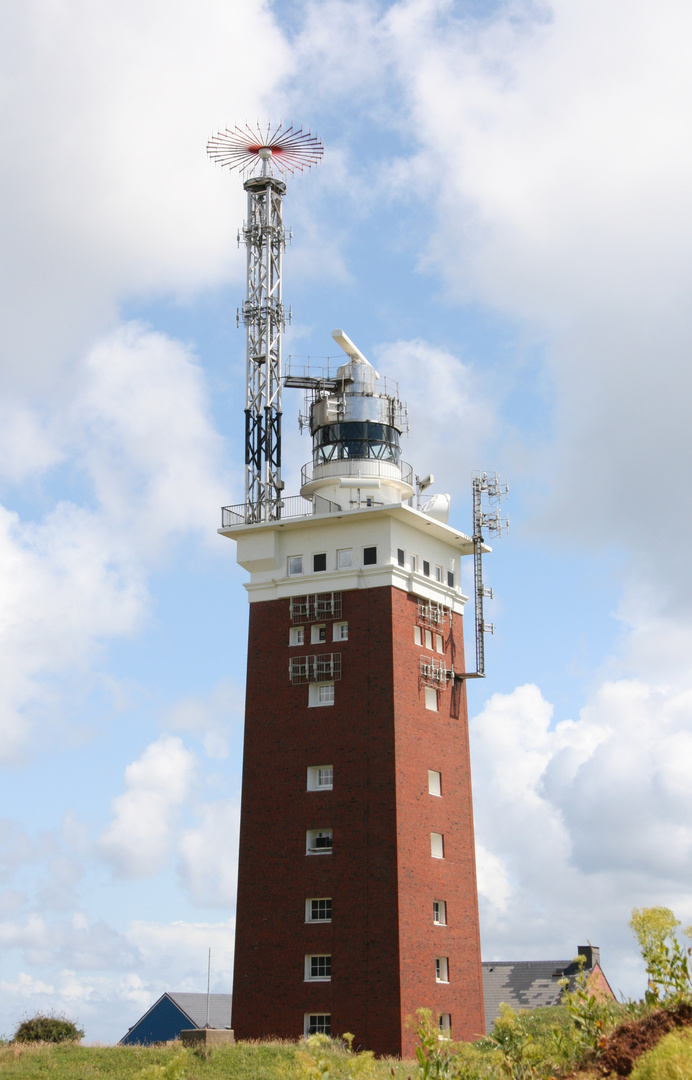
(501, 223)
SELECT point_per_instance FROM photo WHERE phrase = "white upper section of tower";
(356, 453)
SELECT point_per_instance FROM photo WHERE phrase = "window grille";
(318, 1023)
(324, 667)
(433, 672)
(315, 607)
(431, 613)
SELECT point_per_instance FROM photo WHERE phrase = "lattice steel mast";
(488, 485)
(263, 314)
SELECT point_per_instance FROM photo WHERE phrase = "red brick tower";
(357, 898)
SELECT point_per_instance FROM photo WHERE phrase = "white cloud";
(581, 821)
(139, 431)
(213, 718)
(145, 817)
(451, 413)
(209, 854)
(107, 110)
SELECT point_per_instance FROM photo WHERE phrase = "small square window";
(295, 564)
(318, 633)
(317, 1024)
(438, 573)
(414, 563)
(431, 698)
(400, 556)
(437, 846)
(428, 639)
(441, 969)
(444, 1024)
(320, 694)
(434, 782)
(318, 842)
(320, 778)
(318, 909)
(417, 638)
(450, 579)
(369, 556)
(426, 568)
(439, 912)
(318, 968)
(344, 558)
(439, 643)
(319, 562)
(340, 631)
(296, 635)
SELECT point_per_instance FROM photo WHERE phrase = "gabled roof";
(532, 984)
(195, 1006)
(523, 984)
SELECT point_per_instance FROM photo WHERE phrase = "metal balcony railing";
(354, 467)
(293, 506)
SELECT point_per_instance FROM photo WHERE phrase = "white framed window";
(438, 573)
(318, 842)
(320, 693)
(296, 635)
(320, 778)
(318, 909)
(414, 564)
(440, 912)
(444, 1024)
(340, 631)
(317, 1024)
(318, 967)
(428, 639)
(318, 633)
(441, 969)
(439, 643)
(437, 845)
(417, 636)
(319, 562)
(431, 698)
(369, 556)
(344, 558)
(295, 565)
(434, 782)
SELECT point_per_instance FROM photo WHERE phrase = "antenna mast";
(487, 484)
(255, 153)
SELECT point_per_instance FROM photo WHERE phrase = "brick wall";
(381, 740)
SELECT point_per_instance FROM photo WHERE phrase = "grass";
(245, 1061)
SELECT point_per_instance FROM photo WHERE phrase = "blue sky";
(500, 222)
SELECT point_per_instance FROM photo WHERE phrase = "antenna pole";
(247, 149)
(490, 486)
(264, 319)
(208, 984)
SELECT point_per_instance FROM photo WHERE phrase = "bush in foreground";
(48, 1028)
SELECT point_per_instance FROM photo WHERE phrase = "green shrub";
(667, 962)
(48, 1028)
(670, 1059)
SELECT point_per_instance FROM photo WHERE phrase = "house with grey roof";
(174, 1012)
(531, 984)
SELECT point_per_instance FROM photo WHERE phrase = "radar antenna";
(247, 149)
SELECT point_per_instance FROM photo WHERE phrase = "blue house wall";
(164, 1021)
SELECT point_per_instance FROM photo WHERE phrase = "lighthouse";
(357, 898)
